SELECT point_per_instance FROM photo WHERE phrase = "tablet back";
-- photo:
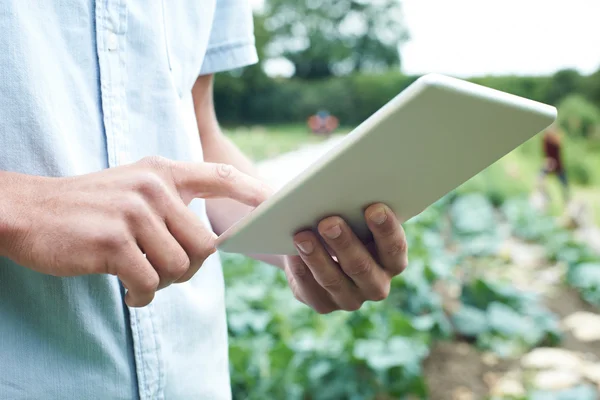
(428, 140)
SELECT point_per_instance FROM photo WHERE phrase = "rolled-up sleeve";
(231, 43)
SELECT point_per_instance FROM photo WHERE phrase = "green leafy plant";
(279, 348)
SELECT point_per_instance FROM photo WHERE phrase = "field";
(490, 306)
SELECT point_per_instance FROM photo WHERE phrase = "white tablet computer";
(427, 141)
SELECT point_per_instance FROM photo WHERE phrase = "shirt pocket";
(186, 28)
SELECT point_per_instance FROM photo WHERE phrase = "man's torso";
(86, 85)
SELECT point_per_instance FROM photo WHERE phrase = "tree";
(564, 83)
(591, 87)
(322, 38)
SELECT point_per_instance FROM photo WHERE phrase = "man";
(116, 181)
(553, 163)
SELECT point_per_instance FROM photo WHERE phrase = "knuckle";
(198, 256)
(225, 172)
(180, 266)
(332, 284)
(324, 309)
(353, 305)
(150, 185)
(360, 267)
(149, 283)
(112, 240)
(133, 207)
(296, 292)
(396, 249)
(292, 284)
(298, 269)
(185, 278)
(402, 266)
(200, 253)
(156, 162)
(380, 293)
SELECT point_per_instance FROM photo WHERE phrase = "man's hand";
(130, 221)
(361, 272)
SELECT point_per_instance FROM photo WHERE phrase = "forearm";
(223, 213)
(217, 148)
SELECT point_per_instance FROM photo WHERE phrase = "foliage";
(591, 88)
(281, 349)
(583, 264)
(586, 278)
(253, 98)
(578, 116)
(351, 98)
(324, 38)
(563, 83)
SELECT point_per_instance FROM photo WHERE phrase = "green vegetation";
(257, 99)
(281, 349)
(456, 288)
(261, 143)
(320, 37)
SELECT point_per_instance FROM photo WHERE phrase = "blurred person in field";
(323, 123)
(552, 147)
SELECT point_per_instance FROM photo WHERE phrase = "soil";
(456, 371)
(454, 368)
(566, 303)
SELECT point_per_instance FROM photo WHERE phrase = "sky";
(497, 37)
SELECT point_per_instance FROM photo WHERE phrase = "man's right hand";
(130, 221)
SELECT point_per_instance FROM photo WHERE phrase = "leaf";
(472, 214)
(398, 351)
(470, 321)
(503, 347)
(481, 293)
(507, 321)
(586, 278)
(250, 319)
(401, 325)
(480, 245)
(585, 275)
(319, 369)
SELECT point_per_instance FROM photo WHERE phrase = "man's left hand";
(359, 272)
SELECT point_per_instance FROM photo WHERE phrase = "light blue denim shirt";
(86, 85)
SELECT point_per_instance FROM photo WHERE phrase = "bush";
(577, 116)
(250, 96)
(581, 163)
(273, 101)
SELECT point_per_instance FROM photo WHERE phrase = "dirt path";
(459, 371)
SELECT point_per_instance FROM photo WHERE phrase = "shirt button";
(113, 42)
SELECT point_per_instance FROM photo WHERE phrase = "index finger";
(215, 180)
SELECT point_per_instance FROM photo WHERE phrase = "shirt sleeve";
(231, 44)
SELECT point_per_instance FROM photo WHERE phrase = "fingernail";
(334, 232)
(379, 216)
(306, 247)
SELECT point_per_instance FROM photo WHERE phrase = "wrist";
(13, 224)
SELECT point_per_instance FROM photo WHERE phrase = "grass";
(515, 174)
(261, 143)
